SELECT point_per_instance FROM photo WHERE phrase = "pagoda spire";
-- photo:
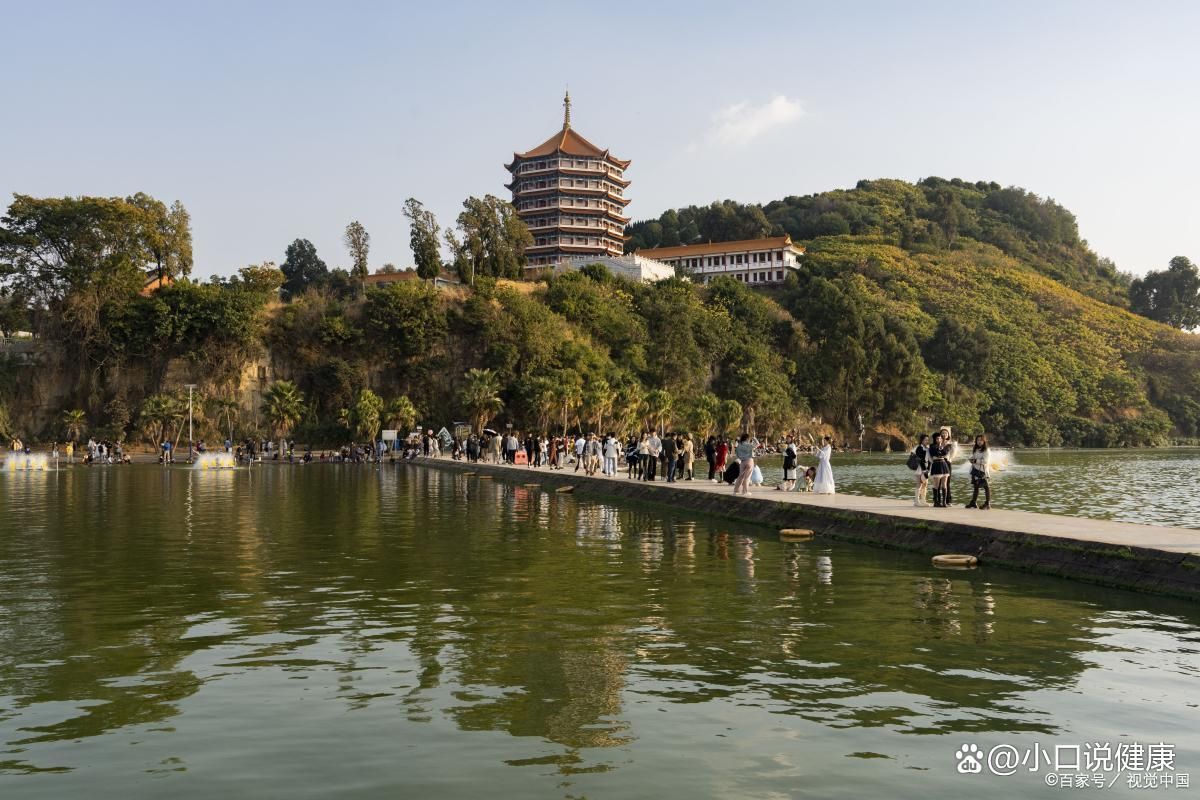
(567, 110)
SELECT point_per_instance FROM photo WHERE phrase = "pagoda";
(571, 196)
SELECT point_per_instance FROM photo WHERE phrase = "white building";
(753, 261)
(631, 266)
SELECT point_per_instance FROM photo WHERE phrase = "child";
(810, 476)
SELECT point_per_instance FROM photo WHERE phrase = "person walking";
(939, 469)
(981, 473)
(689, 457)
(918, 462)
(745, 456)
(823, 484)
(580, 446)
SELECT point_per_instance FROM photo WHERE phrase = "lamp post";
(190, 387)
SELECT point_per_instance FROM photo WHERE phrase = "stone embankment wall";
(1139, 569)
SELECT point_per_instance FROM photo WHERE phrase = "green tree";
(74, 423)
(283, 407)
(598, 399)
(658, 406)
(424, 238)
(1171, 296)
(117, 412)
(160, 414)
(302, 268)
(228, 409)
(400, 414)
(358, 242)
(729, 414)
(480, 395)
(167, 234)
(701, 413)
(490, 240)
(366, 414)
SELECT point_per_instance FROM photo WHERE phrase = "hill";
(936, 303)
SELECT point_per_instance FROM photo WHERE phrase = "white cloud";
(742, 123)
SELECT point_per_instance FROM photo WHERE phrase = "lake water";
(1157, 486)
(352, 632)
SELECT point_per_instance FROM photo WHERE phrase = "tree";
(366, 414)
(283, 407)
(358, 242)
(167, 234)
(701, 413)
(400, 414)
(729, 414)
(159, 412)
(302, 268)
(490, 240)
(657, 406)
(118, 414)
(424, 239)
(84, 260)
(228, 410)
(598, 399)
(74, 422)
(1171, 296)
(481, 396)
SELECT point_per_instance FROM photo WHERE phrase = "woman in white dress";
(824, 480)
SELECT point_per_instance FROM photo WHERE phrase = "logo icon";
(970, 759)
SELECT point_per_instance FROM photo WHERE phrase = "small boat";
(565, 489)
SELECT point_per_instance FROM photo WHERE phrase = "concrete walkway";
(1121, 534)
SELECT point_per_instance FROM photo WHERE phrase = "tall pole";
(190, 387)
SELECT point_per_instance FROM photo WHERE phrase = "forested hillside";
(939, 303)
(932, 216)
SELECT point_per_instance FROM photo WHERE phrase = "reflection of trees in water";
(517, 610)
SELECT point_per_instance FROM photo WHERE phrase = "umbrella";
(489, 432)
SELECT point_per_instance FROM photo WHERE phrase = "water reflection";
(165, 607)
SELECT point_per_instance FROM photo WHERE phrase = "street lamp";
(190, 387)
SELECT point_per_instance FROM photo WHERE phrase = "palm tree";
(366, 414)
(569, 391)
(702, 414)
(74, 422)
(542, 399)
(481, 396)
(729, 413)
(658, 405)
(227, 410)
(598, 399)
(283, 406)
(158, 412)
(400, 414)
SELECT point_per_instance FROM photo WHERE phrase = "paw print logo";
(970, 759)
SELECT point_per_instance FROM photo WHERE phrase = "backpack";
(914, 462)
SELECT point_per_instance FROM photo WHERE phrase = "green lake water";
(353, 632)
(1158, 486)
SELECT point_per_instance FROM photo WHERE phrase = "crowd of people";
(671, 457)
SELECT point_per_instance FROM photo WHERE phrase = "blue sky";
(273, 121)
